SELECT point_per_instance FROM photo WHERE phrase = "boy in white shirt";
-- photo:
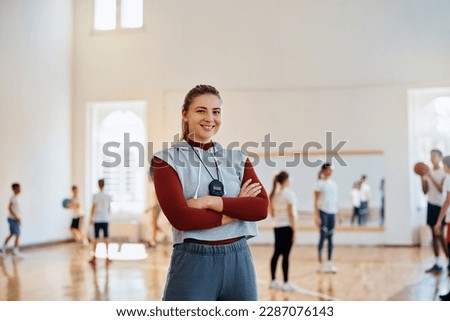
(432, 184)
(76, 226)
(14, 220)
(100, 211)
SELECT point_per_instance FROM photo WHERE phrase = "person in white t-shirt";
(14, 221)
(283, 203)
(325, 211)
(100, 212)
(432, 184)
(445, 212)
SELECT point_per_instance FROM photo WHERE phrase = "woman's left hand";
(250, 190)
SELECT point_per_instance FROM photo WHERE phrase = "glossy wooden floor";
(62, 273)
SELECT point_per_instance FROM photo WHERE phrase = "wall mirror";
(304, 178)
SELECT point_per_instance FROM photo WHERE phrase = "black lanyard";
(217, 167)
(216, 187)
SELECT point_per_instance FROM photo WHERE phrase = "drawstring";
(199, 178)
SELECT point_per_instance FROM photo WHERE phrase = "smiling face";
(203, 117)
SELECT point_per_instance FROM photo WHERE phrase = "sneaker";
(331, 268)
(289, 287)
(327, 268)
(16, 253)
(445, 297)
(275, 285)
(434, 269)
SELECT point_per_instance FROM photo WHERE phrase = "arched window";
(118, 147)
(433, 127)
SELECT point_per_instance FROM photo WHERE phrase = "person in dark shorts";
(76, 226)
(100, 212)
(14, 221)
(432, 183)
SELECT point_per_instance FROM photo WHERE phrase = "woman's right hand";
(249, 189)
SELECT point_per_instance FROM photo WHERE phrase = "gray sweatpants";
(211, 273)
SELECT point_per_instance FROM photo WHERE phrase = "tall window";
(118, 137)
(118, 14)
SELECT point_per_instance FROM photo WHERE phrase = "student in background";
(432, 186)
(325, 211)
(100, 212)
(14, 221)
(283, 209)
(76, 227)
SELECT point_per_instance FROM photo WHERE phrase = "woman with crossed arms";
(213, 198)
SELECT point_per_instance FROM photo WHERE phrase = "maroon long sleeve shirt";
(184, 218)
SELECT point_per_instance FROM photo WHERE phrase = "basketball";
(65, 202)
(421, 168)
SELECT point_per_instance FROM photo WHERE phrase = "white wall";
(35, 114)
(295, 68)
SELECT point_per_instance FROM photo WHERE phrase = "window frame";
(118, 28)
(96, 113)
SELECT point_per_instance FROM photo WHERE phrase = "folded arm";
(171, 199)
(248, 206)
(208, 211)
